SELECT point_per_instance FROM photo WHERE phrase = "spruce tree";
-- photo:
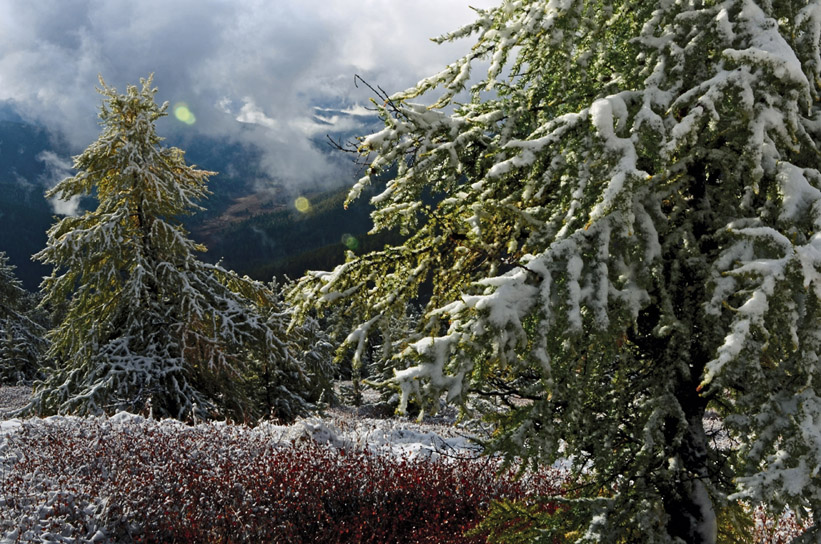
(621, 227)
(22, 339)
(148, 327)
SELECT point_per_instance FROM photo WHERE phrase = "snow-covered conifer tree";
(22, 339)
(285, 391)
(625, 234)
(148, 327)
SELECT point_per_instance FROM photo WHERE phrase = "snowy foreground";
(49, 487)
(399, 437)
(58, 452)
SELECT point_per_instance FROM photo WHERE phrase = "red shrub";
(770, 529)
(152, 482)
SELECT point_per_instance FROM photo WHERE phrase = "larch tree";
(22, 339)
(620, 224)
(148, 327)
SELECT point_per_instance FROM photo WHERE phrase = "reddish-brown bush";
(777, 529)
(149, 482)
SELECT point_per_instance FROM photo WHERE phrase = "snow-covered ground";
(12, 398)
(343, 428)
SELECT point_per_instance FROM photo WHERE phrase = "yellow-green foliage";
(148, 327)
(616, 234)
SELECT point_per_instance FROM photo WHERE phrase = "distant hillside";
(24, 217)
(259, 233)
(24, 213)
(277, 239)
(29, 166)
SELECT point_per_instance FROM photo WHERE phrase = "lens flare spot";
(350, 242)
(302, 205)
(183, 114)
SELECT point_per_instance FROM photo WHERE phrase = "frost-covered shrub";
(128, 479)
(775, 529)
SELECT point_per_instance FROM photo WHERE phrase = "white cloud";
(357, 110)
(251, 114)
(253, 71)
(57, 169)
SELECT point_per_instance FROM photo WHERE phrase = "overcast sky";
(248, 70)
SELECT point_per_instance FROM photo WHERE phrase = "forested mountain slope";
(250, 221)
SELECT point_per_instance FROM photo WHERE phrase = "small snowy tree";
(22, 339)
(625, 233)
(277, 389)
(148, 327)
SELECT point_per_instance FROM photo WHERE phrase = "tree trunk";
(691, 516)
